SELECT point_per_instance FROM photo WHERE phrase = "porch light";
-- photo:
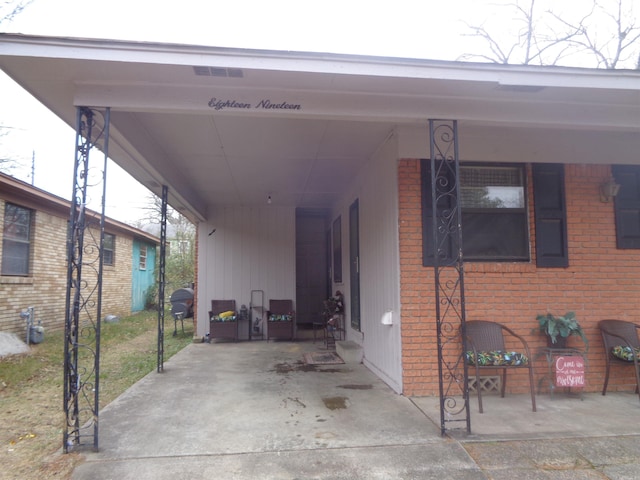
(608, 190)
(269, 200)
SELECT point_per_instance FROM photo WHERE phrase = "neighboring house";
(304, 174)
(33, 227)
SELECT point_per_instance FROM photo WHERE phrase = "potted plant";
(559, 328)
(333, 310)
(334, 305)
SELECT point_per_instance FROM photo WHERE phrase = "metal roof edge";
(320, 62)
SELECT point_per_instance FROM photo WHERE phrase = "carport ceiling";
(332, 111)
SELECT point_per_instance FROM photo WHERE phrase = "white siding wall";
(377, 191)
(251, 249)
(504, 144)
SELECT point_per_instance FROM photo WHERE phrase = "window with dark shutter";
(494, 214)
(627, 206)
(550, 215)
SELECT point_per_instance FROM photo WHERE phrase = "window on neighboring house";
(16, 241)
(627, 206)
(109, 250)
(494, 213)
(143, 257)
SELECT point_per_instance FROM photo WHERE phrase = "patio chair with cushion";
(223, 319)
(486, 351)
(621, 347)
(281, 319)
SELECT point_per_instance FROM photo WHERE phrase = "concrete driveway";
(252, 410)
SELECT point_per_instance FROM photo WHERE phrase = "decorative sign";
(570, 371)
(264, 104)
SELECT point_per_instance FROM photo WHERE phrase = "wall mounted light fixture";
(269, 200)
(608, 190)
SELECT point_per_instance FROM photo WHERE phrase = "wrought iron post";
(85, 244)
(449, 274)
(161, 277)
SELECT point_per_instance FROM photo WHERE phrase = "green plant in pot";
(559, 328)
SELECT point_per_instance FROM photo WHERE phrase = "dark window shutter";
(550, 215)
(428, 249)
(627, 206)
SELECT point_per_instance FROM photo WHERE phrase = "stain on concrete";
(285, 368)
(335, 403)
(356, 387)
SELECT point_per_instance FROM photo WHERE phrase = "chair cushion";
(279, 318)
(625, 353)
(224, 317)
(497, 358)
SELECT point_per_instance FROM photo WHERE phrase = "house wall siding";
(251, 249)
(600, 282)
(379, 266)
(45, 287)
(376, 191)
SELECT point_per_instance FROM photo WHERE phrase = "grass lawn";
(31, 391)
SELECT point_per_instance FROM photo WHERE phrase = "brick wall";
(601, 282)
(45, 289)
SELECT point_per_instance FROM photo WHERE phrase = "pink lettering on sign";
(570, 371)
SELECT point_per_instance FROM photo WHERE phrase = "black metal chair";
(486, 351)
(621, 347)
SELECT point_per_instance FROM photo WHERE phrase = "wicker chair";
(223, 329)
(486, 351)
(280, 319)
(618, 336)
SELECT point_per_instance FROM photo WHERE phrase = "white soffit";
(228, 126)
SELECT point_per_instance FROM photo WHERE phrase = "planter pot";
(223, 329)
(280, 329)
(561, 342)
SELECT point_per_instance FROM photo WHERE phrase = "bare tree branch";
(610, 36)
(9, 9)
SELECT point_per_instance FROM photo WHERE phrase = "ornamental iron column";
(85, 247)
(449, 274)
(161, 277)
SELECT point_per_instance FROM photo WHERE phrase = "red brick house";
(303, 173)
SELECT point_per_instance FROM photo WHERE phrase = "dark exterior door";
(311, 263)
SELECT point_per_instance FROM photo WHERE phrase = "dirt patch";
(31, 436)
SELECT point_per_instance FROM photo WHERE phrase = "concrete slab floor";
(255, 410)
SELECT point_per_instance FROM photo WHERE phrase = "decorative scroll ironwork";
(84, 285)
(449, 274)
(161, 277)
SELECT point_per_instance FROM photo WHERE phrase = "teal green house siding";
(142, 273)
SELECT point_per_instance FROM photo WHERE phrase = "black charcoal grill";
(181, 307)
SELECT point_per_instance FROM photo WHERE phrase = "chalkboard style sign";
(570, 371)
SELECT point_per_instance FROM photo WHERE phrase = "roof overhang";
(231, 126)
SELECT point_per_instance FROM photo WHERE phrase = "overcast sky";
(403, 28)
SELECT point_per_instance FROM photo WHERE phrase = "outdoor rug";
(322, 358)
